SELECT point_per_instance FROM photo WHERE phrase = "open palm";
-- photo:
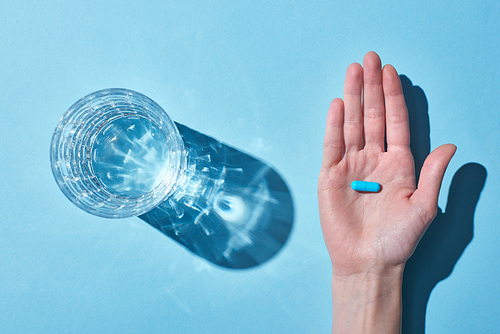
(365, 231)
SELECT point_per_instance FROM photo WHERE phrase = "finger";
(396, 114)
(353, 122)
(333, 143)
(431, 176)
(373, 102)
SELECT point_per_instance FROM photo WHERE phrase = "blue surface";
(258, 76)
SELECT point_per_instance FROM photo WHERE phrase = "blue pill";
(371, 187)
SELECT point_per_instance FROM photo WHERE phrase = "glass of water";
(115, 153)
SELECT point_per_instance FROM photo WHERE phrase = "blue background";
(259, 76)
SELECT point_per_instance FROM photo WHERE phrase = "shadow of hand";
(450, 232)
(441, 246)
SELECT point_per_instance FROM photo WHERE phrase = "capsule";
(365, 186)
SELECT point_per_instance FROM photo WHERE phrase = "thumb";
(431, 175)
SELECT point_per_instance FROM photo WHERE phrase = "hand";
(374, 232)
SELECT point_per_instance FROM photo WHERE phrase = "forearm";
(368, 302)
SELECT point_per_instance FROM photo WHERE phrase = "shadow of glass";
(244, 214)
(451, 231)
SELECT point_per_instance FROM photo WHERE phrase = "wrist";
(368, 302)
(363, 273)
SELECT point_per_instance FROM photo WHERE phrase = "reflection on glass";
(116, 153)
